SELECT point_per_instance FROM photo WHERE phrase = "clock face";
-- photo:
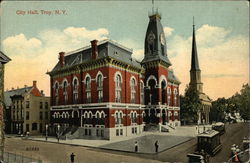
(162, 39)
(151, 37)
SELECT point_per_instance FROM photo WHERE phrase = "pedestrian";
(136, 146)
(72, 158)
(156, 146)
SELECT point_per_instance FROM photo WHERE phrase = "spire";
(194, 60)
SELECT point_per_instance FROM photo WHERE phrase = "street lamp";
(58, 134)
(46, 131)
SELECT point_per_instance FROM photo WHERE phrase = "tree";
(190, 106)
(217, 111)
(244, 107)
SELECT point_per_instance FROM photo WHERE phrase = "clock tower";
(160, 83)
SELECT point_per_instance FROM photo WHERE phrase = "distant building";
(195, 82)
(3, 60)
(27, 110)
(104, 93)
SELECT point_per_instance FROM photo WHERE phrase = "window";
(88, 89)
(56, 93)
(86, 131)
(27, 104)
(169, 95)
(27, 115)
(121, 131)
(65, 92)
(99, 81)
(132, 90)
(97, 132)
(75, 91)
(163, 92)
(133, 117)
(175, 97)
(46, 105)
(88, 97)
(142, 93)
(34, 126)
(118, 90)
(118, 117)
(41, 115)
(117, 132)
(41, 105)
(100, 87)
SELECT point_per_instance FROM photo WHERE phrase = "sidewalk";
(145, 141)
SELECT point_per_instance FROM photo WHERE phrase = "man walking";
(72, 158)
(156, 146)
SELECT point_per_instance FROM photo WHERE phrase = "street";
(59, 153)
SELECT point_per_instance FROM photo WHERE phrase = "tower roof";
(194, 60)
(155, 47)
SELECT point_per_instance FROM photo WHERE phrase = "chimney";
(34, 83)
(94, 49)
(61, 58)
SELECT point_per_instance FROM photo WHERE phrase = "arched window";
(100, 87)
(75, 91)
(118, 89)
(99, 81)
(153, 92)
(65, 93)
(142, 93)
(118, 117)
(175, 96)
(132, 90)
(56, 93)
(133, 117)
(169, 95)
(163, 92)
(88, 89)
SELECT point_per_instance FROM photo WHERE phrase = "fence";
(16, 158)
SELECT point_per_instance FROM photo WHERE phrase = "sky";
(33, 41)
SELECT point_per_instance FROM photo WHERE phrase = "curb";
(116, 150)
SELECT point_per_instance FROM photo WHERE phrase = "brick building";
(3, 60)
(27, 110)
(100, 91)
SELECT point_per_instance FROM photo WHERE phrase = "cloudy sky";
(33, 41)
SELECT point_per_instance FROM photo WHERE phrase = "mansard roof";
(13, 92)
(172, 77)
(105, 48)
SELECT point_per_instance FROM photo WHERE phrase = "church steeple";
(194, 61)
(155, 47)
(195, 72)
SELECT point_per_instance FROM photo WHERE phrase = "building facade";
(100, 91)
(3, 60)
(195, 82)
(27, 110)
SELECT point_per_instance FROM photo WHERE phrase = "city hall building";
(100, 91)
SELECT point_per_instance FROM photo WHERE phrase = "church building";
(195, 82)
(100, 91)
